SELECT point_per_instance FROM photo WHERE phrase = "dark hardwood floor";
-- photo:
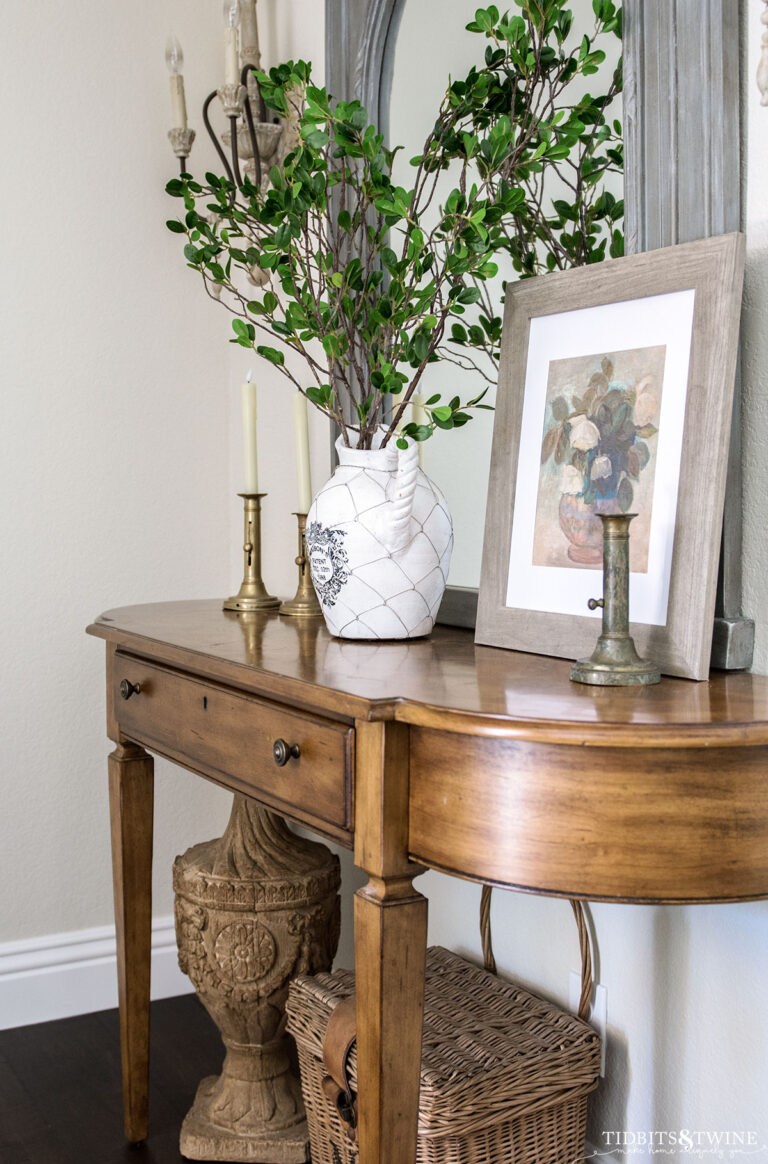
(60, 1094)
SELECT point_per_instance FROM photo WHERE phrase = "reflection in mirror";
(429, 50)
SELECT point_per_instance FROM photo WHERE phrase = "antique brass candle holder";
(304, 603)
(252, 594)
(614, 661)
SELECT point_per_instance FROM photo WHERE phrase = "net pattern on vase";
(367, 590)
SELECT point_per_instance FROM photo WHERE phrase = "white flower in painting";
(601, 467)
(571, 480)
(584, 434)
(646, 407)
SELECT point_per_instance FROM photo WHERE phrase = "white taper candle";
(178, 102)
(231, 57)
(174, 58)
(231, 43)
(250, 450)
(301, 424)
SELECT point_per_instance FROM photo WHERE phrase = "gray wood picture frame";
(714, 269)
(682, 151)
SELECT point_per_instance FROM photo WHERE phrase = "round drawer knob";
(283, 752)
(128, 689)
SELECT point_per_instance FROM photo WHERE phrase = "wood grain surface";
(486, 763)
(443, 681)
(131, 785)
(498, 768)
(229, 736)
(647, 824)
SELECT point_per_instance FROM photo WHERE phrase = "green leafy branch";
(368, 285)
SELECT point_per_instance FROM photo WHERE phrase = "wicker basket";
(504, 1074)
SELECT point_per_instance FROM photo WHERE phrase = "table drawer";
(231, 736)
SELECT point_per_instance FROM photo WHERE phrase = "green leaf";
(271, 354)
(317, 138)
(175, 226)
(315, 395)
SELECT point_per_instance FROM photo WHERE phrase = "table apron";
(591, 822)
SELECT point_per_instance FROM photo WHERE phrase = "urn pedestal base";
(254, 908)
(203, 1140)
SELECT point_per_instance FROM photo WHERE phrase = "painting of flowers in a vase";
(598, 454)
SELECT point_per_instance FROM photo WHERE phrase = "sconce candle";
(302, 452)
(249, 437)
(231, 47)
(174, 58)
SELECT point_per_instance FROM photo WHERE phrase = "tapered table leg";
(390, 951)
(131, 784)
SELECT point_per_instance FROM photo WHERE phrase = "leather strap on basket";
(340, 1035)
(585, 946)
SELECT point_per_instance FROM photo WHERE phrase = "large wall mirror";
(681, 135)
(458, 463)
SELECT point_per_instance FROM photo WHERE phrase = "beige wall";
(121, 460)
(120, 424)
(114, 483)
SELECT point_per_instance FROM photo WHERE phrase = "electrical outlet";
(598, 1013)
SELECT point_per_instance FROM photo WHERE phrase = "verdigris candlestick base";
(604, 669)
(615, 661)
(254, 908)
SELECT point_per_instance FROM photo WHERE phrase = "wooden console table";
(480, 762)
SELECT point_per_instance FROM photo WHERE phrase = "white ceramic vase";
(379, 540)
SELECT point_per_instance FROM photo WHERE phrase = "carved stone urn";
(254, 908)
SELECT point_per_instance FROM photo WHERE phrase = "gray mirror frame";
(682, 154)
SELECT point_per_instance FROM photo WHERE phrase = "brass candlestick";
(304, 604)
(252, 594)
(614, 661)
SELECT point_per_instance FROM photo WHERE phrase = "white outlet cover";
(598, 1014)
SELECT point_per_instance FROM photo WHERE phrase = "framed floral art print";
(615, 396)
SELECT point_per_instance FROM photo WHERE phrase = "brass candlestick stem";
(614, 661)
(304, 604)
(252, 594)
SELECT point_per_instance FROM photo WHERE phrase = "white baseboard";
(60, 975)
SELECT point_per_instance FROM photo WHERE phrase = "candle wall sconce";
(256, 139)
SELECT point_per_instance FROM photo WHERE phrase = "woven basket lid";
(491, 1050)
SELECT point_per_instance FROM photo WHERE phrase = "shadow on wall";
(607, 1109)
(671, 947)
